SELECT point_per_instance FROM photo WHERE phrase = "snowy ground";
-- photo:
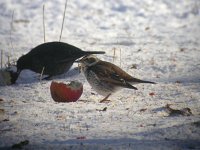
(159, 41)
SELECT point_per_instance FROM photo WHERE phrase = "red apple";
(61, 92)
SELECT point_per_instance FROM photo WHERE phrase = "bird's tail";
(134, 80)
(94, 52)
(142, 81)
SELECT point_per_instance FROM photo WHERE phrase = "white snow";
(162, 38)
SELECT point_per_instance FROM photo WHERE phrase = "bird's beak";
(79, 60)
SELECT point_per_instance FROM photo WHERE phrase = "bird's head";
(88, 60)
(22, 63)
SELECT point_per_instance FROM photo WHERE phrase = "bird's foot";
(47, 78)
(105, 100)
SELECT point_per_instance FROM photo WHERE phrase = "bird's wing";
(110, 73)
(57, 52)
(65, 60)
(122, 74)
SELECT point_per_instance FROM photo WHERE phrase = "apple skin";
(61, 92)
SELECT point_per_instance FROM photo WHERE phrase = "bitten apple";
(61, 92)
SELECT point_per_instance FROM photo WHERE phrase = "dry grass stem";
(63, 21)
(114, 54)
(1, 59)
(44, 23)
(120, 57)
(11, 27)
(41, 74)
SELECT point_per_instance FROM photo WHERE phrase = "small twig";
(174, 112)
(44, 23)
(11, 43)
(41, 74)
(8, 61)
(11, 27)
(1, 59)
(114, 53)
(63, 20)
(120, 57)
(104, 109)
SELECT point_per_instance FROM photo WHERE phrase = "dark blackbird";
(52, 58)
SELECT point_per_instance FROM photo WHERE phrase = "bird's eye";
(92, 60)
(86, 59)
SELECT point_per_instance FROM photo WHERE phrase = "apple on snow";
(61, 92)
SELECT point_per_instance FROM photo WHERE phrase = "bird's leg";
(105, 99)
(47, 78)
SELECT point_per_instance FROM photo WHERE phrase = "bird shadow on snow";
(121, 143)
(182, 79)
(28, 76)
(173, 137)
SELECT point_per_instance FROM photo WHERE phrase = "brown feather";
(105, 71)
